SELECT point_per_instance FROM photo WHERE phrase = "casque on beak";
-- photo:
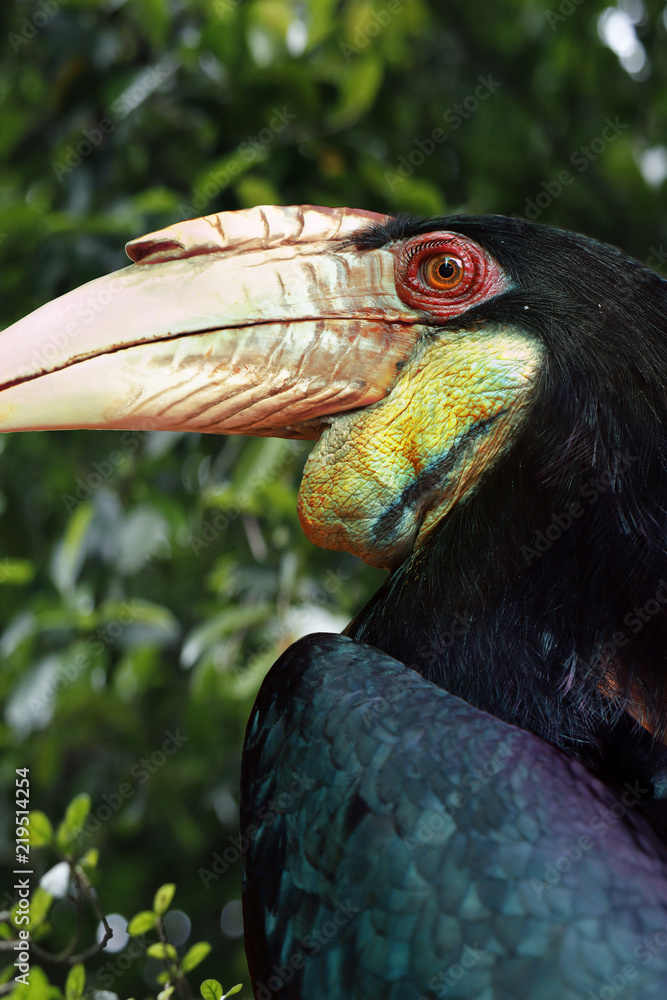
(261, 321)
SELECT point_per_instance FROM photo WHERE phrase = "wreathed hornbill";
(463, 795)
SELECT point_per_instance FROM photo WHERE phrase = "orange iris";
(443, 271)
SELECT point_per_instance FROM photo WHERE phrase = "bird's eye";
(443, 271)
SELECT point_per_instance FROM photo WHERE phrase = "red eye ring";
(469, 276)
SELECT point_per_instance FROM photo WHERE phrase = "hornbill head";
(488, 400)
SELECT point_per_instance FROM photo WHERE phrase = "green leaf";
(358, 89)
(194, 955)
(211, 989)
(16, 572)
(154, 18)
(69, 556)
(321, 16)
(222, 172)
(7, 973)
(39, 988)
(234, 989)
(40, 901)
(161, 950)
(163, 898)
(166, 992)
(254, 190)
(72, 824)
(76, 982)
(90, 859)
(142, 922)
(40, 829)
(205, 636)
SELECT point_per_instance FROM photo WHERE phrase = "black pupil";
(446, 269)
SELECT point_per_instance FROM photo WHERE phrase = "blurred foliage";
(147, 581)
(26, 928)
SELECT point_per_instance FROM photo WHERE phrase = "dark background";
(125, 612)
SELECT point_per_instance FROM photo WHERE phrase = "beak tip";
(148, 249)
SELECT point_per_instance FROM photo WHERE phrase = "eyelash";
(480, 276)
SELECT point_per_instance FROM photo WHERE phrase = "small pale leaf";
(142, 922)
(194, 955)
(163, 898)
(90, 858)
(39, 828)
(76, 981)
(161, 950)
(72, 824)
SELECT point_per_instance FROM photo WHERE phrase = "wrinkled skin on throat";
(381, 478)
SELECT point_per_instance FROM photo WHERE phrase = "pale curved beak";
(263, 321)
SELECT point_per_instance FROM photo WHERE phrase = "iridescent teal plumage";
(403, 844)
